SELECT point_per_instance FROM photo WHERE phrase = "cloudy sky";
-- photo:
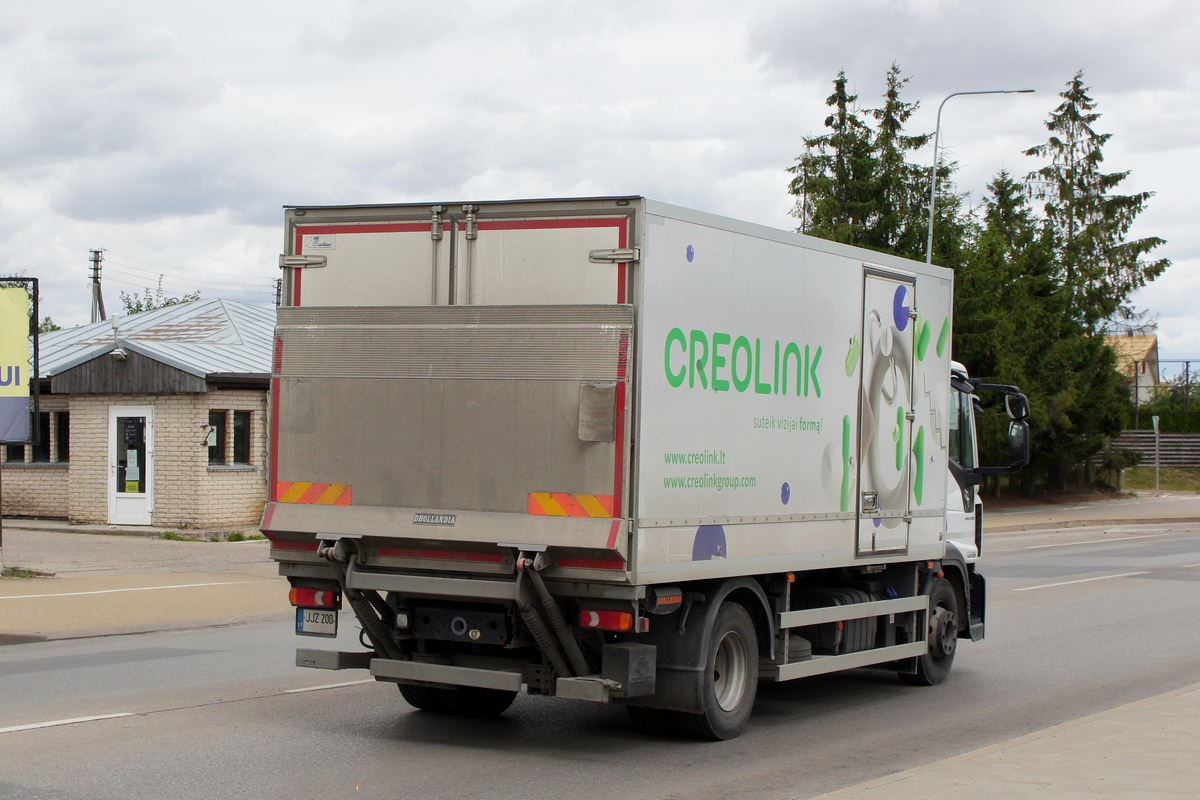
(171, 134)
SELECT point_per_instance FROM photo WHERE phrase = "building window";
(216, 439)
(241, 437)
(222, 444)
(14, 453)
(63, 451)
(41, 450)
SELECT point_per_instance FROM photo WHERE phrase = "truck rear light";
(314, 598)
(606, 620)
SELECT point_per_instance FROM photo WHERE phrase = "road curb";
(1084, 523)
(148, 627)
(99, 529)
(20, 638)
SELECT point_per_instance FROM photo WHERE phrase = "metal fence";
(1169, 397)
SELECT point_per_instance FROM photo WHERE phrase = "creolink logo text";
(723, 362)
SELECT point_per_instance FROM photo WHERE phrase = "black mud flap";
(978, 603)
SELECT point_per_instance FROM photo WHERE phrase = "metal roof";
(203, 337)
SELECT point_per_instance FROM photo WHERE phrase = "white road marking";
(134, 589)
(1099, 541)
(57, 722)
(327, 686)
(1081, 580)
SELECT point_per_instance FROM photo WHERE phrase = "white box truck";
(616, 450)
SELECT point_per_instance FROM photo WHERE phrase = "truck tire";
(934, 666)
(472, 701)
(658, 721)
(425, 698)
(469, 701)
(730, 679)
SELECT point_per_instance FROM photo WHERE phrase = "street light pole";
(937, 132)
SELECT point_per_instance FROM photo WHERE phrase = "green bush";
(1174, 421)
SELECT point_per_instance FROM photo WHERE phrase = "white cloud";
(174, 133)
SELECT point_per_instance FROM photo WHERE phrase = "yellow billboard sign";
(14, 364)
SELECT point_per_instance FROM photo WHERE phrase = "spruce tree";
(833, 179)
(857, 183)
(897, 182)
(1099, 265)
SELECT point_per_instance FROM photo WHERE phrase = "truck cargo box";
(660, 393)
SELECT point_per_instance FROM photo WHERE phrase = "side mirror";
(1018, 450)
(1017, 407)
(1018, 443)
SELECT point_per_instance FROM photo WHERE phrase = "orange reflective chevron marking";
(557, 504)
(321, 494)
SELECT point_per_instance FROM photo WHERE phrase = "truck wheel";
(466, 700)
(934, 666)
(425, 698)
(475, 702)
(730, 677)
(658, 721)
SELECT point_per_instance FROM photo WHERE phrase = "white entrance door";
(130, 465)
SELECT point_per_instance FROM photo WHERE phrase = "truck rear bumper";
(415, 671)
(388, 669)
(592, 688)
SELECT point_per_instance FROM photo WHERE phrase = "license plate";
(316, 622)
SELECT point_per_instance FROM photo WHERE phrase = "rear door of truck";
(451, 381)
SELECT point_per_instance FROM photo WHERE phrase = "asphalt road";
(1079, 621)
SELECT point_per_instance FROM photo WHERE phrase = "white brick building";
(1137, 358)
(157, 418)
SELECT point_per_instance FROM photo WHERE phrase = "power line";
(157, 263)
(125, 271)
(157, 272)
(133, 287)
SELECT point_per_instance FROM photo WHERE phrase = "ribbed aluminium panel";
(474, 342)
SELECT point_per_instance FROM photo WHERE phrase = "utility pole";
(97, 297)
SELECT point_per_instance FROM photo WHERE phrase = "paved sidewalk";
(1149, 750)
(63, 550)
(107, 581)
(78, 605)
(1163, 509)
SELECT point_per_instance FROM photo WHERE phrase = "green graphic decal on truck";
(919, 455)
(923, 333)
(721, 361)
(846, 487)
(852, 355)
